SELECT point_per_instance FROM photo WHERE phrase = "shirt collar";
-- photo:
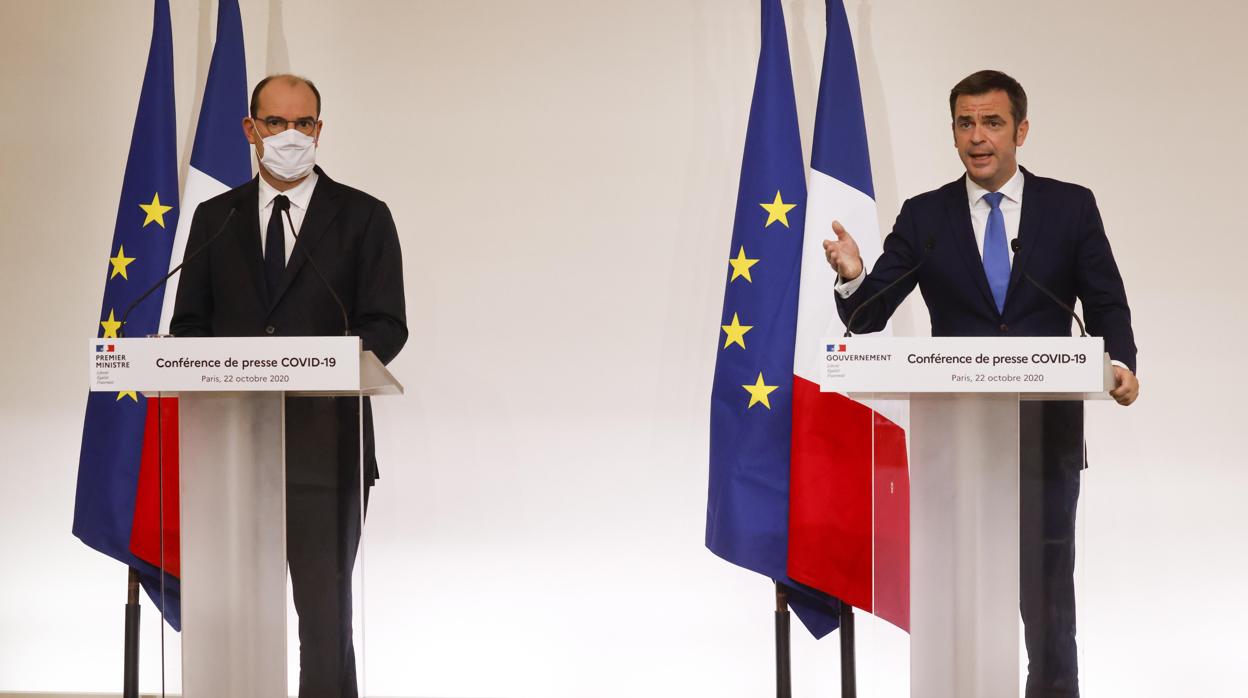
(1013, 189)
(299, 195)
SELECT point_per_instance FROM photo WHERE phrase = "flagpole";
(849, 688)
(130, 670)
(784, 688)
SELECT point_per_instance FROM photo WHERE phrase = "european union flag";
(751, 400)
(147, 216)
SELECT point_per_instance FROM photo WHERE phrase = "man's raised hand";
(843, 253)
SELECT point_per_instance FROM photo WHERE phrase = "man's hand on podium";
(843, 254)
(1126, 386)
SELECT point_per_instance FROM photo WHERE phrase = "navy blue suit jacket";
(1062, 246)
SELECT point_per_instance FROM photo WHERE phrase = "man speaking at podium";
(977, 239)
(255, 280)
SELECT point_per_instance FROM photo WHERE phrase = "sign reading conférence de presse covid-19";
(225, 363)
(963, 364)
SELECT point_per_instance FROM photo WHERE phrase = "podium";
(965, 395)
(232, 490)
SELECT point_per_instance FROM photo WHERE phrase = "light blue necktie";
(996, 254)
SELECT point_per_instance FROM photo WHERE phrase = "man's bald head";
(288, 80)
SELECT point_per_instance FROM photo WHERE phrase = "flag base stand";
(130, 670)
(784, 677)
(849, 684)
(784, 687)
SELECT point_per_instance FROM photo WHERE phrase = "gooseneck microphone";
(927, 252)
(307, 254)
(1014, 245)
(121, 331)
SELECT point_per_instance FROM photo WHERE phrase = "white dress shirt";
(299, 196)
(1011, 211)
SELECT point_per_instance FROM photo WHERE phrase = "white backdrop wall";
(563, 177)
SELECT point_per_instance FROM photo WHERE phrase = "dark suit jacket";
(222, 293)
(1062, 245)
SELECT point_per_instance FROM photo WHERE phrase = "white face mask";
(289, 155)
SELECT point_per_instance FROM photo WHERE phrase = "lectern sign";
(963, 364)
(231, 364)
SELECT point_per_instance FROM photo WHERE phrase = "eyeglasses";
(276, 124)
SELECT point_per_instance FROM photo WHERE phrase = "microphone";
(121, 331)
(927, 251)
(346, 324)
(1014, 245)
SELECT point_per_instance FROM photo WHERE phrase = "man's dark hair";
(986, 81)
(292, 79)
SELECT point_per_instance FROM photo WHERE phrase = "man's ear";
(1020, 133)
(249, 130)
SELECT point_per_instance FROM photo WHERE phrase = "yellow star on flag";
(778, 211)
(120, 262)
(127, 393)
(741, 266)
(736, 332)
(156, 212)
(111, 325)
(759, 392)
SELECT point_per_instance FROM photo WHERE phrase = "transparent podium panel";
(259, 503)
(155, 542)
(849, 529)
(327, 487)
(1052, 462)
(882, 636)
(994, 482)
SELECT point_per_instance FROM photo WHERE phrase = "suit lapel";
(247, 237)
(322, 209)
(1029, 229)
(959, 216)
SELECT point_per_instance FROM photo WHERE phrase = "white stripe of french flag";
(199, 188)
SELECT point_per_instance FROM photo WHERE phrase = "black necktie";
(275, 246)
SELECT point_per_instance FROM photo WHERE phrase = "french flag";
(849, 479)
(220, 161)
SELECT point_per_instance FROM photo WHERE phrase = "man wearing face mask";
(254, 281)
